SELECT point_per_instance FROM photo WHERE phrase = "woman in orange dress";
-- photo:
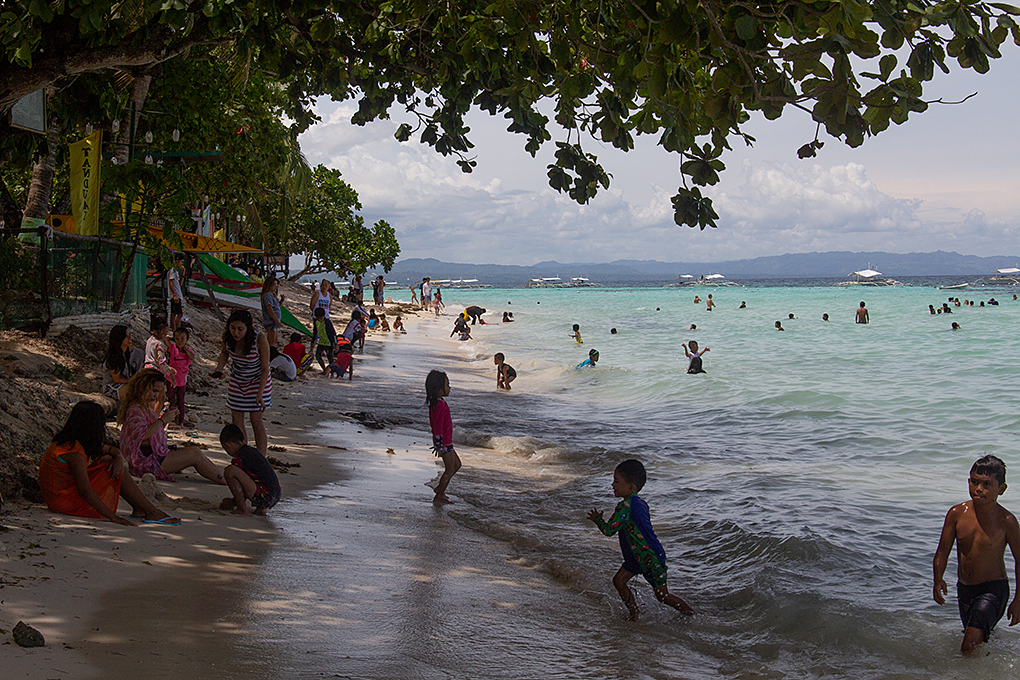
(80, 474)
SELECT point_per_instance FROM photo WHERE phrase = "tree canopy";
(688, 72)
(333, 237)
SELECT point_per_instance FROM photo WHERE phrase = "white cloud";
(939, 182)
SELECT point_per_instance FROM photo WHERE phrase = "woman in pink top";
(143, 433)
(437, 386)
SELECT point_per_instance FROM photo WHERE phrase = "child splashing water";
(437, 386)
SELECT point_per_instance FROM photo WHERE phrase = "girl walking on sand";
(437, 386)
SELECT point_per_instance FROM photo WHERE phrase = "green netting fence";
(81, 275)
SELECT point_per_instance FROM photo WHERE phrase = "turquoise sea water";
(798, 487)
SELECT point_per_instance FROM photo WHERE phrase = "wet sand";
(155, 601)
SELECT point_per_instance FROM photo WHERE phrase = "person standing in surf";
(437, 387)
(862, 313)
(642, 552)
(981, 529)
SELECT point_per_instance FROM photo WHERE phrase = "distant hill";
(621, 272)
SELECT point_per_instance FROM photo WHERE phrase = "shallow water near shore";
(798, 487)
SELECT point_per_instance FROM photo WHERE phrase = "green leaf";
(886, 65)
(747, 27)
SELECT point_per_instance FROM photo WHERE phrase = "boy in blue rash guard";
(642, 552)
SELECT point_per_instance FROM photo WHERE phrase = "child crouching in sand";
(981, 529)
(437, 386)
(249, 476)
(642, 552)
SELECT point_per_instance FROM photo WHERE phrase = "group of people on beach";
(82, 474)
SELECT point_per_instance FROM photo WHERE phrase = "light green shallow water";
(798, 486)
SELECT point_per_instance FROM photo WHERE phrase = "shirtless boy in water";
(981, 529)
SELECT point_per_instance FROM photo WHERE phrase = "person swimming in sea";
(695, 356)
(593, 357)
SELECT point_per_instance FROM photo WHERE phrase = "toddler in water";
(642, 552)
(181, 357)
(984, 529)
(249, 476)
(576, 335)
(505, 373)
(695, 356)
(437, 386)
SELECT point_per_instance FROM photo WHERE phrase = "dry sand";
(166, 602)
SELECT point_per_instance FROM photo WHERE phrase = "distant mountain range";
(795, 266)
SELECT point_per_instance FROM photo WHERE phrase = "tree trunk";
(38, 203)
(122, 138)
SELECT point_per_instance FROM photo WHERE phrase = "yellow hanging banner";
(85, 183)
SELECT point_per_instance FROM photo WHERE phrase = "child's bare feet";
(227, 504)
(632, 611)
(441, 500)
(240, 512)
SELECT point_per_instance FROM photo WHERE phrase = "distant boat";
(468, 283)
(557, 282)
(1007, 275)
(869, 277)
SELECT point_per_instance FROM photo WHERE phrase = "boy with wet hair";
(642, 552)
(981, 529)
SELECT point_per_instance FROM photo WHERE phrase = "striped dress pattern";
(244, 381)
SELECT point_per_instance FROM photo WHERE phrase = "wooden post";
(212, 296)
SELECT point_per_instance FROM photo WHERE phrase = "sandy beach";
(155, 601)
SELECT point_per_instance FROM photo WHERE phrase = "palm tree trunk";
(38, 203)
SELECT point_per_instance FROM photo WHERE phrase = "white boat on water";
(557, 282)
(1007, 275)
(468, 283)
(869, 277)
(711, 280)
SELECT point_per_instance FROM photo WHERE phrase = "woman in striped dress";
(250, 389)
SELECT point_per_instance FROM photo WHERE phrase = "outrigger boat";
(1008, 275)
(231, 288)
(869, 277)
(557, 282)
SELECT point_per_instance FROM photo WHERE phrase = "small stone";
(27, 636)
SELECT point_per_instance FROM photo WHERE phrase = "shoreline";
(165, 601)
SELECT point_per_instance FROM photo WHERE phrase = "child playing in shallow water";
(982, 529)
(576, 335)
(695, 356)
(505, 373)
(437, 386)
(642, 552)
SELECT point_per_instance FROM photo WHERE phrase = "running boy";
(642, 552)
(505, 373)
(982, 528)
(249, 476)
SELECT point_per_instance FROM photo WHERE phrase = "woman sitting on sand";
(121, 362)
(143, 435)
(81, 475)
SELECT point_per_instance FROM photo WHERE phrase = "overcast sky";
(949, 179)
